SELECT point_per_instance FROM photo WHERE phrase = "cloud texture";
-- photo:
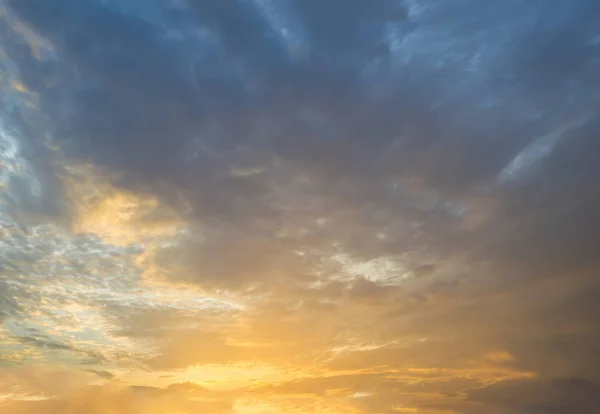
(268, 206)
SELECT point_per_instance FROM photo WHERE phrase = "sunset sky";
(299, 206)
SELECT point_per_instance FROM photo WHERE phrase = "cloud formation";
(292, 206)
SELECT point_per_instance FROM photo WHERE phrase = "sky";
(299, 206)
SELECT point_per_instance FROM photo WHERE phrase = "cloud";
(561, 395)
(351, 208)
(103, 374)
(99, 400)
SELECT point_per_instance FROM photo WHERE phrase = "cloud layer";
(254, 206)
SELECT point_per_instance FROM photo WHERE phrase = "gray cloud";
(103, 374)
(562, 395)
